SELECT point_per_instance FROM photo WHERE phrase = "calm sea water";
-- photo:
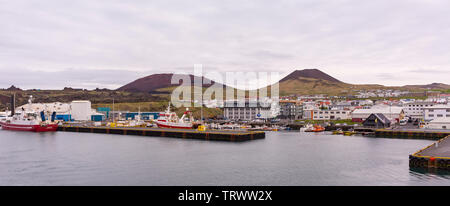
(283, 158)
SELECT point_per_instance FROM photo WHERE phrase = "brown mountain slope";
(314, 81)
(310, 74)
(299, 82)
(436, 86)
(155, 82)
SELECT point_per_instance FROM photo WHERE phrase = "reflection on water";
(283, 158)
(430, 173)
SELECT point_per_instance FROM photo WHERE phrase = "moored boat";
(306, 128)
(315, 128)
(169, 119)
(29, 121)
(28, 126)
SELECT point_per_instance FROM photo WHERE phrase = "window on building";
(440, 115)
(431, 115)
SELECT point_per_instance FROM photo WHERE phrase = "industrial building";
(393, 113)
(377, 121)
(415, 109)
(438, 123)
(290, 109)
(249, 110)
(436, 111)
(75, 111)
(81, 110)
(143, 115)
(334, 114)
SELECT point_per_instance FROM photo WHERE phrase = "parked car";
(403, 122)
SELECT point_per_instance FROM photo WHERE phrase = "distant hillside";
(310, 74)
(433, 86)
(314, 81)
(69, 94)
(155, 82)
(299, 82)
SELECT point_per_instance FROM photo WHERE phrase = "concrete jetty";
(436, 155)
(219, 135)
(431, 134)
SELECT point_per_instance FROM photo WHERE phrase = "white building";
(393, 113)
(438, 123)
(416, 109)
(436, 111)
(249, 111)
(77, 110)
(58, 107)
(308, 109)
(334, 114)
(81, 110)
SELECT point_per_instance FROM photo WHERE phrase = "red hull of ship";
(29, 128)
(171, 126)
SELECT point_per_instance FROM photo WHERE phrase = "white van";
(403, 122)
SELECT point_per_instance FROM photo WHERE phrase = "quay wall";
(411, 134)
(184, 134)
(417, 160)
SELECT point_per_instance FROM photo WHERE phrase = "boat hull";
(29, 128)
(173, 126)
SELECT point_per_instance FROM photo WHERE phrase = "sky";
(51, 44)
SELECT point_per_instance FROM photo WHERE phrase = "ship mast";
(13, 104)
(201, 110)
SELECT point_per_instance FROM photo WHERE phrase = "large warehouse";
(393, 113)
(76, 110)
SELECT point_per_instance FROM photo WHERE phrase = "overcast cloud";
(89, 44)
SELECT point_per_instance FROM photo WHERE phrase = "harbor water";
(282, 158)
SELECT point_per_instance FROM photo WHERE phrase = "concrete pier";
(412, 133)
(219, 135)
(436, 155)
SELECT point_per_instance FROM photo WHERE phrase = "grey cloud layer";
(355, 41)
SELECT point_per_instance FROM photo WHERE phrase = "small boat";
(306, 128)
(229, 126)
(316, 128)
(170, 119)
(338, 131)
(349, 133)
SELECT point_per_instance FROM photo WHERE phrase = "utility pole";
(113, 114)
(201, 110)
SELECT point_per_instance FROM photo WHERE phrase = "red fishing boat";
(28, 126)
(28, 121)
(170, 119)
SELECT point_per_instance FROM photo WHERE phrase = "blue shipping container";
(97, 118)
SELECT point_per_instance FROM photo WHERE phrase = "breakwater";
(218, 135)
(412, 133)
(436, 155)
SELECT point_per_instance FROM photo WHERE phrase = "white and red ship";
(28, 121)
(170, 119)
